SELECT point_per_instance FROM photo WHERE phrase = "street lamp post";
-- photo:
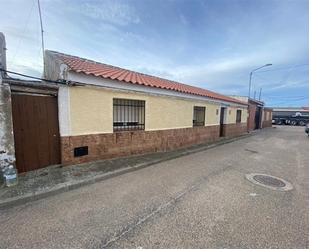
(250, 77)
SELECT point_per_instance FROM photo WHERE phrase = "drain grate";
(269, 180)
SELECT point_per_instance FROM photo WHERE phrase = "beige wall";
(91, 111)
(231, 115)
(267, 115)
(212, 118)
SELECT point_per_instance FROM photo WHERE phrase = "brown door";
(257, 119)
(36, 131)
(222, 116)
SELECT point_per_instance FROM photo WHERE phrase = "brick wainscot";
(126, 143)
(267, 123)
(234, 130)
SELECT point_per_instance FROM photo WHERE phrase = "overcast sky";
(212, 44)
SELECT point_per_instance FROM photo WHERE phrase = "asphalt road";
(198, 201)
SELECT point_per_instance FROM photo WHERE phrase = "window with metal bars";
(128, 114)
(238, 116)
(198, 116)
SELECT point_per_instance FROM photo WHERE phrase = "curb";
(64, 187)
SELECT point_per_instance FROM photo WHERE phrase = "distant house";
(259, 116)
(291, 115)
(90, 111)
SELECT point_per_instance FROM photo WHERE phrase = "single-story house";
(267, 117)
(87, 111)
(290, 115)
(259, 116)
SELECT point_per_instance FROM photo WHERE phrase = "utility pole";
(260, 94)
(42, 31)
(2, 56)
(250, 77)
(254, 94)
(7, 150)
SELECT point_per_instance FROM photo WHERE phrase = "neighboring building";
(258, 116)
(291, 111)
(267, 117)
(7, 156)
(291, 115)
(96, 111)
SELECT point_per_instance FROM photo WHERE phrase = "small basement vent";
(80, 151)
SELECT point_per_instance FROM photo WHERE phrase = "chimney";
(2, 55)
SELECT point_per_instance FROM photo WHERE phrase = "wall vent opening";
(80, 151)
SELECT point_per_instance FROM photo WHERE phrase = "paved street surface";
(198, 201)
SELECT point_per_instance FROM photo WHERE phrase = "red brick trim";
(104, 146)
(233, 130)
(251, 117)
(267, 123)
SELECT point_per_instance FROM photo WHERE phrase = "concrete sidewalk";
(56, 179)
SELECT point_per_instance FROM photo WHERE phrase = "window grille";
(238, 116)
(198, 116)
(128, 114)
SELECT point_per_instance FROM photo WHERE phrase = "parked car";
(307, 129)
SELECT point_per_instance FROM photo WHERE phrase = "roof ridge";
(82, 58)
(97, 62)
(194, 91)
(121, 68)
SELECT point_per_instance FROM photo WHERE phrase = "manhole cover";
(268, 181)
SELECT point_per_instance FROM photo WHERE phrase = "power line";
(282, 68)
(75, 83)
(284, 77)
(36, 78)
(42, 31)
(24, 31)
(278, 84)
(285, 97)
(283, 102)
(260, 77)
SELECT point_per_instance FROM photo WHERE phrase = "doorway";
(36, 130)
(222, 119)
(257, 118)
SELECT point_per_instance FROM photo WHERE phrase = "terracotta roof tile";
(89, 67)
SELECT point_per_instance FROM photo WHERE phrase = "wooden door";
(222, 117)
(36, 131)
(257, 119)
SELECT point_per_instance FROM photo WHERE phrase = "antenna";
(260, 95)
(2, 56)
(42, 31)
